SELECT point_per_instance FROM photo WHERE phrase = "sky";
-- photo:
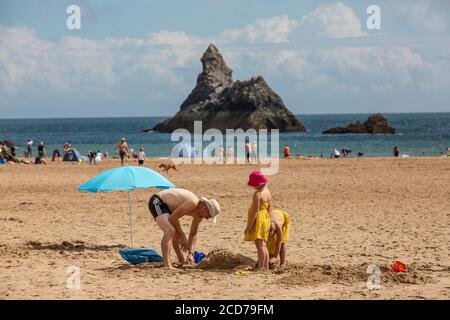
(142, 58)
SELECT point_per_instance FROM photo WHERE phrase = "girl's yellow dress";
(262, 224)
(286, 225)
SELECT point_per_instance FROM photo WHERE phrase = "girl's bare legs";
(266, 256)
(263, 255)
(283, 254)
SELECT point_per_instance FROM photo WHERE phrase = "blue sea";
(418, 134)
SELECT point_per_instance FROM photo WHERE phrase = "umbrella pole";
(129, 215)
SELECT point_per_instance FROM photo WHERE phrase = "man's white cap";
(213, 207)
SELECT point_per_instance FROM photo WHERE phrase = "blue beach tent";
(72, 155)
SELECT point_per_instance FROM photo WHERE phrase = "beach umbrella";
(126, 178)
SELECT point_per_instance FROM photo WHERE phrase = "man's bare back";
(174, 198)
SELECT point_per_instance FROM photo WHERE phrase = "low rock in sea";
(375, 124)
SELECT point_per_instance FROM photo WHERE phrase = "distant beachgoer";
(56, 155)
(132, 154)
(12, 149)
(92, 155)
(40, 160)
(41, 150)
(336, 154)
(345, 152)
(396, 152)
(122, 148)
(247, 151)
(448, 152)
(67, 147)
(220, 154)
(254, 152)
(105, 154)
(286, 151)
(170, 205)
(258, 221)
(230, 154)
(280, 224)
(141, 156)
(28, 149)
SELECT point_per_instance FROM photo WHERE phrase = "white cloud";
(429, 16)
(163, 66)
(269, 30)
(174, 39)
(331, 21)
(75, 65)
(350, 71)
(327, 21)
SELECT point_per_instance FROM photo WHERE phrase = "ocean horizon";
(418, 134)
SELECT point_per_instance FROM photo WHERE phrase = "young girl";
(280, 223)
(258, 223)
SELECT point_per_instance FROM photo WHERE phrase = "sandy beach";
(347, 214)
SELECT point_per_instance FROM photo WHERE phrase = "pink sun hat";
(257, 179)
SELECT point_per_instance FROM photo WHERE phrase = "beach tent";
(72, 155)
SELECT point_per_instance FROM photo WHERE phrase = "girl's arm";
(255, 207)
(279, 239)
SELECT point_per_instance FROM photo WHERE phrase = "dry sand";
(347, 214)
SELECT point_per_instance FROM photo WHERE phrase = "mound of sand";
(221, 259)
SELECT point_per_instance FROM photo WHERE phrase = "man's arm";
(174, 217)
(193, 234)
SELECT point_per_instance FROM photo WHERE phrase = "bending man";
(167, 207)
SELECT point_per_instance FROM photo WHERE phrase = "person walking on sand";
(167, 208)
(141, 157)
(220, 154)
(41, 150)
(286, 151)
(28, 149)
(280, 224)
(254, 152)
(122, 148)
(247, 151)
(230, 155)
(258, 221)
(396, 152)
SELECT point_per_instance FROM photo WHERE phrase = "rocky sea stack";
(223, 104)
(375, 124)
